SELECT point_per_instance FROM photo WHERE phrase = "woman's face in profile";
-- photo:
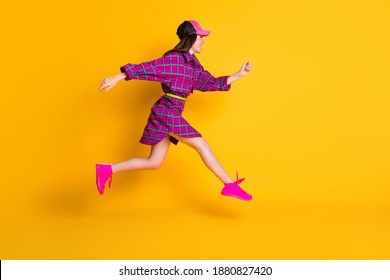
(197, 46)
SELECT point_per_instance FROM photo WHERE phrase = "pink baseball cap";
(191, 27)
(198, 28)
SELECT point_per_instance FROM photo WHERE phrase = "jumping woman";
(180, 73)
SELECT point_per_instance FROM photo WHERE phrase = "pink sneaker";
(103, 174)
(233, 190)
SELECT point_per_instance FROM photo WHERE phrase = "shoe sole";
(101, 191)
(238, 197)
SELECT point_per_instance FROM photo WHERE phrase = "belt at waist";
(176, 96)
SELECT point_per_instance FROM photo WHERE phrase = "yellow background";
(308, 128)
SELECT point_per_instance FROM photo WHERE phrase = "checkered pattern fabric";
(166, 117)
(180, 74)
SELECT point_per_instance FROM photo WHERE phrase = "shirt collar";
(189, 57)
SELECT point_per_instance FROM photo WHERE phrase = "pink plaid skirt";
(166, 117)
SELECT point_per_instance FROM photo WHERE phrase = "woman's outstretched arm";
(158, 70)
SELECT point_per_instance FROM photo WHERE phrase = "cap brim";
(204, 32)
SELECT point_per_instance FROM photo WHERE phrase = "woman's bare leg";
(208, 157)
(154, 161)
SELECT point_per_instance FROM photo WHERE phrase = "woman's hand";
(110, 82)
(245, 69)
(241, 73)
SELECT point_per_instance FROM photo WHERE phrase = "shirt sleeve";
(207, 82)
(156, 70)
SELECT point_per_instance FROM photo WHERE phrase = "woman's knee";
(201, 145)
(155, 164)
(155, 161)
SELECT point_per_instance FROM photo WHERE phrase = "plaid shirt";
(179, 73)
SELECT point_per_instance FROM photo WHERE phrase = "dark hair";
(187, 35)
